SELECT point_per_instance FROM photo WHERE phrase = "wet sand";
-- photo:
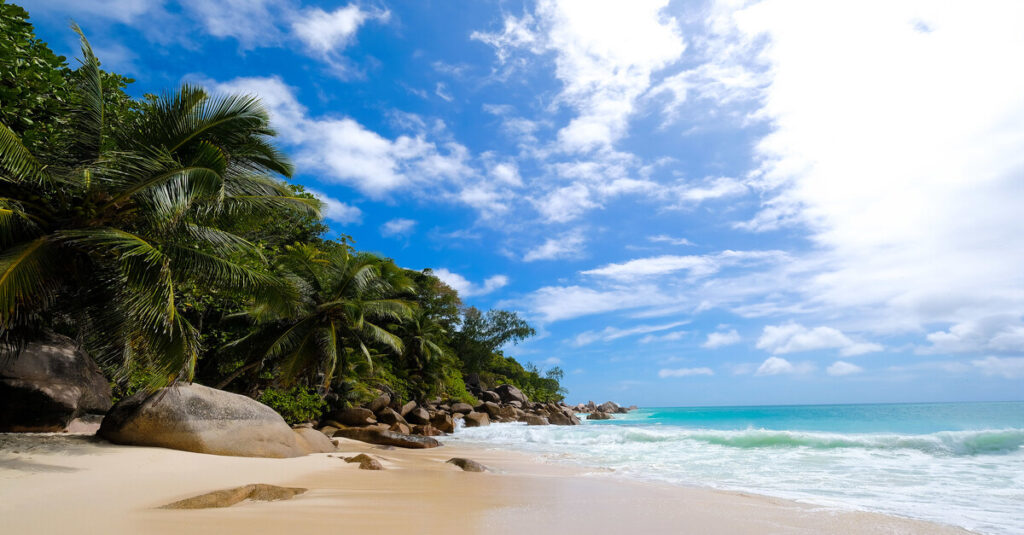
(77, 484)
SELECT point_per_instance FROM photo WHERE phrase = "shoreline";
(60, 482)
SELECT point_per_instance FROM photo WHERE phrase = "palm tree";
(345, 308)
(104, 235)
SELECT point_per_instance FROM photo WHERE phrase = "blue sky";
(694, 202)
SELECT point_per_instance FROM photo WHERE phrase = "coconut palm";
(104, 233)
(345, 310)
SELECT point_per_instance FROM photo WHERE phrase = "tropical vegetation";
(162, 233)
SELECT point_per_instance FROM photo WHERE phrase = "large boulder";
(312, 441)
(355, 416)
(608, 406)
(598, 415)
(229, 497)
(407, 408)
(477, 419)
(196, 418)
(387, 438)
(490, 395)
(558, 418)
(509, 393)
(467, 465)
(50, 383)
(462, 408)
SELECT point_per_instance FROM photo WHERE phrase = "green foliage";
(160, 232)
(296, 405)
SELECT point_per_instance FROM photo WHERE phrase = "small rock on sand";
(229, 497)
(467, 465)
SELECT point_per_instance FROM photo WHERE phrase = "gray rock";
(355, 416)
(609, 407)
(477, 419)
(400, 427)
(387, 415)
(490, 395)
(598, 415)
(196, 418)
(387, 438)
(533, 419)
(407, 408)
(557, 418)
(365, 462)
(462, 408)
(312, 441)
(467, 465)
(50, 383)
(509, 393)
(379, 402)
(443, 422)
(418, 416)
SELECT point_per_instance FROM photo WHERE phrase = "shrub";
(298, 405)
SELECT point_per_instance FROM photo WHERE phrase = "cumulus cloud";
(721, 339)
(469, 289)
(899, 154)
(840, 368)
(780, 366)
(337, 211)
(398, 227)
(684, 372)
(795, 338)
(1006, 367)
(326, 33)
(568, 245)
(1003, 333)
(343, 150)
(565, 204)
(606, 52)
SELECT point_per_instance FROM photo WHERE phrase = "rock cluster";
(386, 421)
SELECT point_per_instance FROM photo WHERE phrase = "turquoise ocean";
(953, 463)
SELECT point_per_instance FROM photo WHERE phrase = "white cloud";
(507, 173)
(1007, 367)
(664, 238)
(795, 338)
(553, 303)
(899, 153)
(550, 361)
(1003, 333)
(721, 339)
(325, 33)
(605, 54)
(343, 150)
(713, 189)
(251, 22)
(468, 289)
(684, 372)
(441, 90)
(779, 366)
(614, 333)
(696, 265)
(667, 337)
(840, 368)
(568, 245)
(336, 210)
(565, 204)
(398, 227)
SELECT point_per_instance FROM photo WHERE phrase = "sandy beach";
(80, 484)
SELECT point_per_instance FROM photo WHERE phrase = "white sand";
(65, 484)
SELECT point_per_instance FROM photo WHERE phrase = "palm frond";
(17, 162)
(26, 278)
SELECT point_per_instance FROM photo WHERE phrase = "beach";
(60, 483)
